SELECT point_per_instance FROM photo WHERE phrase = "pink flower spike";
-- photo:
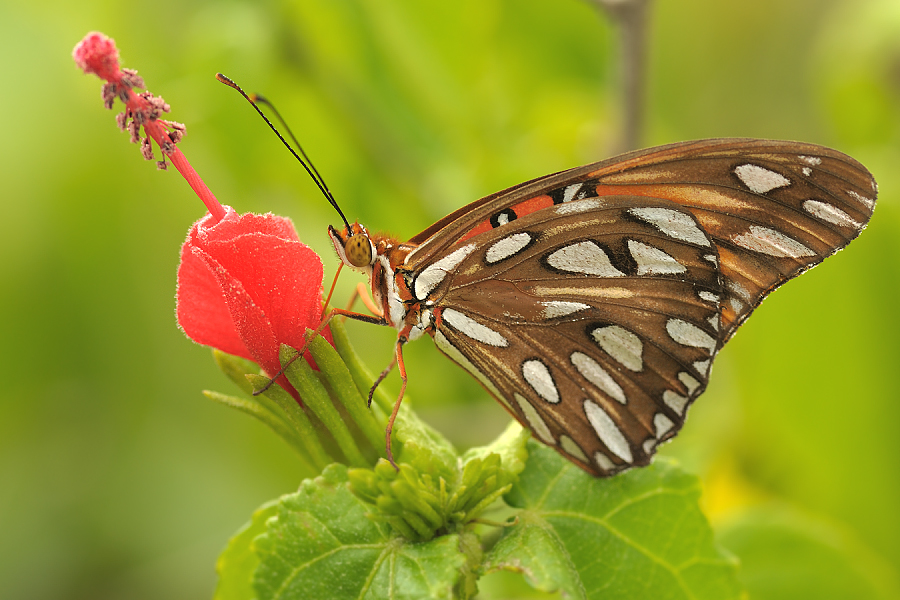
(97, 54)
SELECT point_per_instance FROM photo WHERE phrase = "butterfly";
(592, 302)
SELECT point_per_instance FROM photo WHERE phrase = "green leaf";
(322, 545)
(637, 535)
(533, 549)
(238, 562)
(785, 554)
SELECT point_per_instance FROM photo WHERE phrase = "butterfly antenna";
(254, 101)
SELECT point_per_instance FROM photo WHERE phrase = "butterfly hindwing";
(561, 311)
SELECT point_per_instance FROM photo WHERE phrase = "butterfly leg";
(398, 360)
(387, 371)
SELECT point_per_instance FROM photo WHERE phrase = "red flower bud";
(246, 285)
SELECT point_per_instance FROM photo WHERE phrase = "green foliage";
(322, 545)
(637, 535)
(378, 534)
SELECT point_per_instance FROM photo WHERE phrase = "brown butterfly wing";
(774, 209)
(676, 246)
(566, 331)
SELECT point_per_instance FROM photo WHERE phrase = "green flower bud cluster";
(419, 506)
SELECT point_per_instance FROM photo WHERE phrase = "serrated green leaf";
(322, 545)
(788, 555)
(238, 562)
(637, 535)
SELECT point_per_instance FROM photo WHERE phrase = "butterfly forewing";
(774, 209)
(592, 302)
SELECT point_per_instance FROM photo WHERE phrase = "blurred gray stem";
(630, 17)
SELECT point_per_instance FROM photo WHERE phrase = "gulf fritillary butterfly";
(591, 303)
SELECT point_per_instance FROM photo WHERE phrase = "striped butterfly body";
(592, 302)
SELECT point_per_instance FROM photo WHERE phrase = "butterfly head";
(353, 246)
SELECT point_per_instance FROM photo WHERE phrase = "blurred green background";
(119, 480)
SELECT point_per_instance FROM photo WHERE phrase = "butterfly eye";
(358, 250)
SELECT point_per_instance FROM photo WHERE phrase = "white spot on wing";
(570, 191)
(473, 329)
(625, 347)
(663, 424)
(571, 208)
(708, 296)
(607, 430)
(760, 180)
(829, 213)
(811, 160)
(593, 372)
(603, 462)
(738, 289)
(649, 445)
(441, 341)
(556, 308)
(434, 274)
(538, 377)
(583, 257)
(689, 382)
(507, 247)
(772, 243)
(688, 334)
(653, 261)
(807, 171)
(868, 202)
(537, 423)
(569, 445)
(672, 223)
(702, 367)
(676, 402)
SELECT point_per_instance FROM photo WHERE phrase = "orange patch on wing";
(521, 209)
